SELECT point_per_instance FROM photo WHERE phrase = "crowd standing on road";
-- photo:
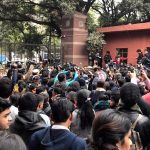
(67, 107)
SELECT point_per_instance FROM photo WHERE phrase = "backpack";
(135, 136)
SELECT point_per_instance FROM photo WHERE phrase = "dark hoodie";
(26, 123)
(56, 139)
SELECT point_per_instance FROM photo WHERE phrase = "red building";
(126, 39)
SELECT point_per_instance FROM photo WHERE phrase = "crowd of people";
(67, 107)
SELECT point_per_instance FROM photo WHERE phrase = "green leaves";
(95, 42)
(122, 12)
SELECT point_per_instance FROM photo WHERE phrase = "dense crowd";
(67, 107)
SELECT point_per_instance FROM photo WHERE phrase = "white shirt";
(59, 127)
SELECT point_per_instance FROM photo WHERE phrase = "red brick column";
(74, 39)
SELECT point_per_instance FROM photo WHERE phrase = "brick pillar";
(74, 39)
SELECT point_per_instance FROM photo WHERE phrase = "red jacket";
(146, 97)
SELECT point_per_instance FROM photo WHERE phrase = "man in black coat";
(130, 95)
(28, 120)
(58, 136)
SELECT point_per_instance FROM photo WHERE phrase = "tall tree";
(44, 12)
(122, 12)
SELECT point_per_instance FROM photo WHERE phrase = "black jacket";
(56, 139)
(107, 58)
(26, 123)
(142, 126)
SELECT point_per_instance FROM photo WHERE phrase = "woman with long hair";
(111, 130)
(84, 114)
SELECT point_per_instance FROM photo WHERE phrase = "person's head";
(21, 85)
(32, 87)
(129, 94)
(6, 87)
(121, 81)
(61, 77)
(45, 96)
(11, 141)
(102, 103)
(138, 51)
(28, 102)
(40, 101)
(111, 131)
(57, 91)
(20, 76)
(100, 84)
(40, 89)
(62, 111)
(108, 52)
(5, 118)
(74, 86)
(82, 83)
(44, 81)
(82, 96)
(114, 98)
(86, 109)
(45, 73)
(72, 96)
(14, 99)
(36, 79)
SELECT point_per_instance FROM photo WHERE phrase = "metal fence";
(23, 52)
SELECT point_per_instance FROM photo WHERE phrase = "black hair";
(19, 76)
(115, 96)
(40, 98)
(46, 104)
(102, 103)
(53, 73)
(11, 141)
(6, 87)
(57, 90)
(100, 83)
(4, 104)
(121, 81)
(109, 128)
(82, 82)
(130, 94)
(40, 89)
(45, 73)
(50, 83)
(32, 86)
(96, 69)
(45, 81)
(14, 99)
(138, 50)
(142, 89)
(28, 101)
(127, 78)
(74, 86)
(72, 96)
(86, 109)
(61, 77)
(61, 110)
(45, 97)
(21, 85)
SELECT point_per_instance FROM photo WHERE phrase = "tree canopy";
(49, 13)
(122, 12)
(95, 42)
(42, 12)
(19, 18)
